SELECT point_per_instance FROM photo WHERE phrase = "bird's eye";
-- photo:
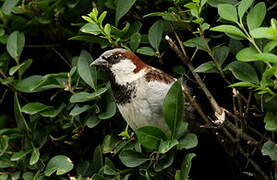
(115, 56)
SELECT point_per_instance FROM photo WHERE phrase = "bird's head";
(124, 65)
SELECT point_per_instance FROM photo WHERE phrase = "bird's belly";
(141, 113)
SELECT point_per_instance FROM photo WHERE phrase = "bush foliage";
(58, 118)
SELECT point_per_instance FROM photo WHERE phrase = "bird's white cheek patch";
(124, 72)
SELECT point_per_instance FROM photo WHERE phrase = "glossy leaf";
(155, 34)
(122, 7)
(15, 44)
(8, 6)
(135, 40)
(60, 164)
(33, 108)
(188, 141)
(79, 110)
(84, 96)
(245, 54)
(165, 146)
(207, 67)
(146, 51)
(221, 54)
(229, 29)
(270, 121)
(107, 107)
(270, 149)
(87, 73)
(186, 166)
(21, 67)
(243, 71)
(52, 112)
(97, 158)
(266, 57)
(20, 120)
(91, 29)
(197, 42)
(132, 158)
(270, 46)
(34, 157)
(92, 121)
(173, 107)
(19, 155)
(228, 12)
(263, 32)
(256, 16)
(4, 144)
(150, 137)
(243, 6)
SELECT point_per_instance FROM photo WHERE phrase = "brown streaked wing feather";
(157, 75)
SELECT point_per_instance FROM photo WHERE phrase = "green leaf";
(91, 29)
(107, 29)
(34, 157)
(187, 142)
(243, 71)
(146, 51)
(8, 6)
(107, 107)
(4, 144)
(173, 107)
(52, 112)
(92, 121)
(186, 166)
(242, 84)
(102, 17)
(60, 163)
(97, 158)
(270, 149)
(221, 54)
(122, 7)
(155, 34)
(135, 41)
(256, 16)
(214, 3)
(245, 54)
(229, 29)
(207, 67)
(132, 158)
(150, 137)
(109, 168)
(263, 32)
(19, 155)
(243, 6)
(79, 110)
(197, 42)
(85, 96)
(15, 45)
(165, 146)
(27, 175)
(21, 67)
(33, 108)
(270, 121)
(6, 164)
(228, 12)
(265, 57)
(20, 120)
(87, 73)
(270, 46)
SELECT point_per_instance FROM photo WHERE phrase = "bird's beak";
(100, 62)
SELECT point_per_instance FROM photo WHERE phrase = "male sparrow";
(138, 88)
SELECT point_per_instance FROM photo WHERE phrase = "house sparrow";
(138, 88)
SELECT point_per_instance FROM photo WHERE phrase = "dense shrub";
(58, 118)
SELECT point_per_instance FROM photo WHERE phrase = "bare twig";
(256, 166)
